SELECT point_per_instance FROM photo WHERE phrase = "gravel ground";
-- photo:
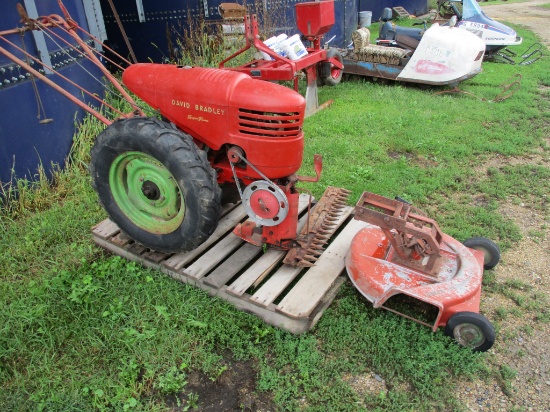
(523, 343)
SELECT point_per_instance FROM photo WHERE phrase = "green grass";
(81, 330)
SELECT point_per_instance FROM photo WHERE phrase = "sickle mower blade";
(321, 225)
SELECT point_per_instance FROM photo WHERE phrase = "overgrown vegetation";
(82, 330)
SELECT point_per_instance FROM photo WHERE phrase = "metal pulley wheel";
(265, 203)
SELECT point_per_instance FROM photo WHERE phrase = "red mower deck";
(227, 267)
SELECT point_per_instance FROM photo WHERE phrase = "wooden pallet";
(227, 267)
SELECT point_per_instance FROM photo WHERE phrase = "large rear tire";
(155, 184)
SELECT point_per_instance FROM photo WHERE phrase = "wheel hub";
(146, 192)
(469, 335)
(150, 190)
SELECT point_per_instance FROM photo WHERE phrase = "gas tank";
(206, 102)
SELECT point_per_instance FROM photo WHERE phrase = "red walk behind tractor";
(227, 136)
(162, 182)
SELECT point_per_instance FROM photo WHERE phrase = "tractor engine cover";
(223, 107)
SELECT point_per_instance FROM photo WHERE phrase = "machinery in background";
(496, 36)
(440, 55)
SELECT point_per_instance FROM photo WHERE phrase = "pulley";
(265, 203)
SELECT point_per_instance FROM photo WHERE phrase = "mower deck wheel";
(330, 74)
(488, 247)
(155, 184)
(471, 330)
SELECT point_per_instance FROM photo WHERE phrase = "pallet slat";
(264, 264)
(225, 224)
(302, 299)
(275, 285)
(228, 269)
(105, 229)
(213, 257)
(284, 276)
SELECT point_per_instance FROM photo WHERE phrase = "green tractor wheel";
(155, 184)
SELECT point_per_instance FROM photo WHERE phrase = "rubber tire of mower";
(185, 175)
(329, 74)
(471, 323)
(488, 247)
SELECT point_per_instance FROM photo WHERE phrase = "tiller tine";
(321, 225)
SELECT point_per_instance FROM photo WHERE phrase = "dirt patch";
(233, 390)
(519, 306)
(529, 14)
(520, 352)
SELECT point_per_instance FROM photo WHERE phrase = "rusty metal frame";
(415, 238)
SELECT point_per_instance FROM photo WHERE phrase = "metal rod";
(124, 36)
(53, 33)
(70, 29)
(27, 67)
(56, 87)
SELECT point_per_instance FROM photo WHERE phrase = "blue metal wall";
(415, 7)
(25, 142)
(166, 20)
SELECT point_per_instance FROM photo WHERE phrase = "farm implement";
(439, 55)
(226, 138)
(313, 19)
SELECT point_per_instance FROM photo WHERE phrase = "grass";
(83, 330)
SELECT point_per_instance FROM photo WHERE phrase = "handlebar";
(456, 11)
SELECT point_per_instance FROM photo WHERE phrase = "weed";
(192, 401)
(217, 373)
(507, 375)
(527, 329)
(501, 313)
(173, 380)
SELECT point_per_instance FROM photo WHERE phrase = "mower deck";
(227, 267)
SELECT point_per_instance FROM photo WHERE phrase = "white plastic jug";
(294, 47)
